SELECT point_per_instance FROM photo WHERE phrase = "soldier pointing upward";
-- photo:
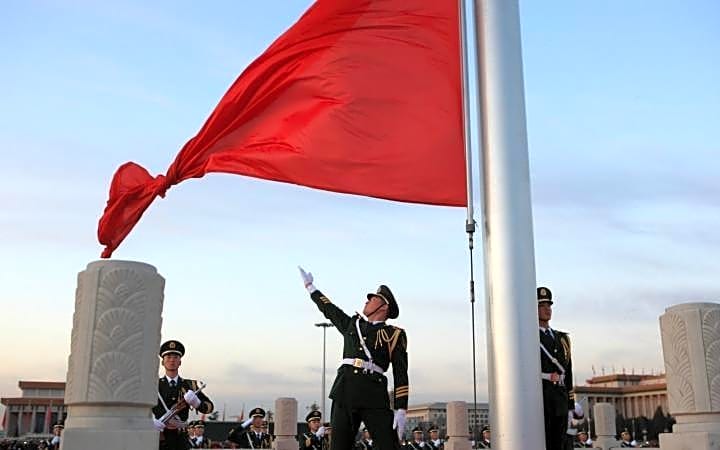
(360, 392)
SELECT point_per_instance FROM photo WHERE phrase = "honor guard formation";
(363, 416)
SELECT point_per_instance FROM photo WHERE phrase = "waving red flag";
(359, 96)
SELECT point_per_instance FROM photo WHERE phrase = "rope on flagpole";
(470, 223)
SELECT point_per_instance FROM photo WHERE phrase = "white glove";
(308, 280)
(320, 432)
(159, 426)
(399, 422)
(55, 440)
(579, 413)
(192, 399)
(247, 423)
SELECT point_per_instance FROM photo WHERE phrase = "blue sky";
(622, 102)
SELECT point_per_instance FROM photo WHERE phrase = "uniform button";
(359, 348)
(355, 371)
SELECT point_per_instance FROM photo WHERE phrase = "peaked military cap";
(58, 425)
(171, 347)
(417, 429)
(257, 412)
(544, 295)
(386, 294)
(582, 432)
(313, 415)
(485, 428)
(432, 428)
(199, 424)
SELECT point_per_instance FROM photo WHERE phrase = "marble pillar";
(457, 426)
(113, 363)
(285, 424)
(690, 335)
(604, 416)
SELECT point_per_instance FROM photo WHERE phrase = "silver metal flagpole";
(513, 356)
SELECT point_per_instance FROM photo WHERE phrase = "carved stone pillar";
(457, 426)
(604, 414)
(691, 349)
(285, 424)
(113, 363)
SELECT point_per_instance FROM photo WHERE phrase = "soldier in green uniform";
(556, 368)
(418, 440)
(198, 439)
(435, 442)
(360, 392)
(365, 442)
(484, 438)
(250, 433)
(312, 439)
(171, 389)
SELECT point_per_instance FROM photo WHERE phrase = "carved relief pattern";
(677, 364)
(71, 389)
(711, 338)
(118, 338)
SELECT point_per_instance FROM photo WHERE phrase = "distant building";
(632, 395)
(427, 414)
(40, 405)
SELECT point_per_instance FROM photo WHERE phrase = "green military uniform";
(558, 396)
(436, 443)
(363, 443)
(310, 440)
(418, 442)
(171, 391)
(199, 441)
(249, 437)
(360, 391)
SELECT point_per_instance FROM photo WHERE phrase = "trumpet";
(179, 406)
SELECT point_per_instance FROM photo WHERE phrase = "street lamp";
(325, 326)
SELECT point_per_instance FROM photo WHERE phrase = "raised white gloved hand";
(320, 432)
(399, 422)
(159, 426)
(192, 399)
(247, 423)
(308, 280)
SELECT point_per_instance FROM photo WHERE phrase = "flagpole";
(470, 223)
(513, 357)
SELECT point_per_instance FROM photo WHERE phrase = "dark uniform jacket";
(625, 444)
(483, 444)
(204, 444)
(581, 445)
(362, 444)
(171, 395)
(558, 398)
(247, 438)
(412, 445)
(432, 445)
(387, 344)
(310, 441)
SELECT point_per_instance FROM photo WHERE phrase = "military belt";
(366, 366)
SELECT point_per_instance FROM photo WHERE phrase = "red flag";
(360, 97)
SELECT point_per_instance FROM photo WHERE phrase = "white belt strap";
(553, 359)
(362, 364)
(362, 341)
